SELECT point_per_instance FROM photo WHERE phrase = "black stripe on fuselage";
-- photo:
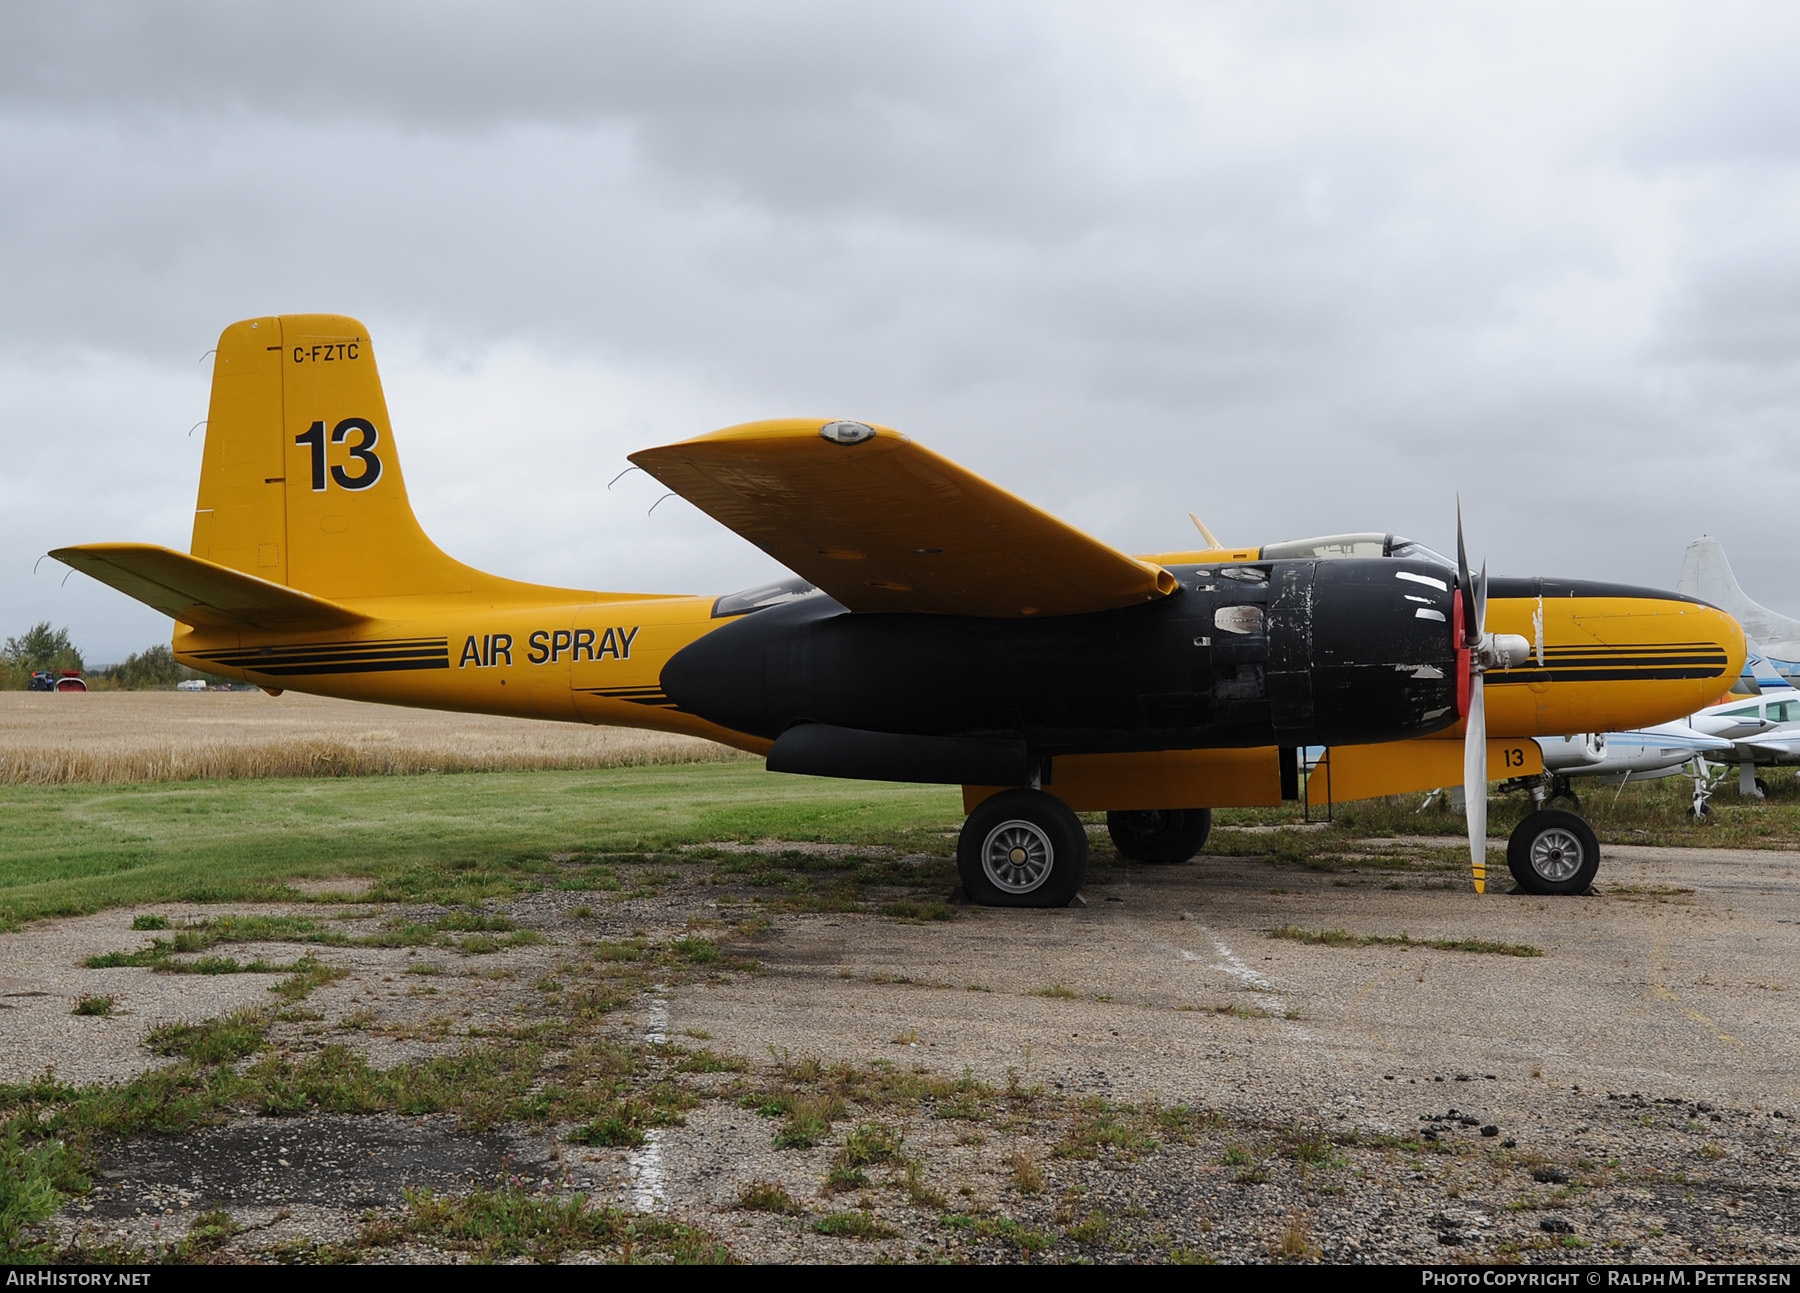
(635, 695)
(1640, 674)
(289, 661)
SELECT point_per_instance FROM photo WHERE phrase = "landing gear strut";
(1022, 848)
(1705, 775)
(1562, 796)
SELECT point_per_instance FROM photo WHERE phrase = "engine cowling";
(1264, 653)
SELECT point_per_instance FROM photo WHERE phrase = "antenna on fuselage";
(1205, 533)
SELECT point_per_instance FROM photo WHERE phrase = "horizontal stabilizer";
(883, 524)
(199, 592)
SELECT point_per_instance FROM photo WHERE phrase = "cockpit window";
(1327, 548)
(761, 598)
(1399, 547)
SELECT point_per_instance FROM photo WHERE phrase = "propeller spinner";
(1483, 651)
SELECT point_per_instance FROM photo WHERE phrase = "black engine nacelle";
(1265, 653)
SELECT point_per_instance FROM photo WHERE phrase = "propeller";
(1477, 652)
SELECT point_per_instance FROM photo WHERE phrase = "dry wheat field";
(57, 739)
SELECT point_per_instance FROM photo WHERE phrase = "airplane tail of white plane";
(1706, 574)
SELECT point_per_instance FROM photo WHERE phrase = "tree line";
(44, 648)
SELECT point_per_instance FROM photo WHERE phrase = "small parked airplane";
(1758, 725)
(940, 630)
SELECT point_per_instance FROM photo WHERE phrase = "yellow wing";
(200, 592)
(883, 524)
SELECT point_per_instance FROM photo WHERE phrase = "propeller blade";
(1475, 781)
(1480, 622)
(1465, 584)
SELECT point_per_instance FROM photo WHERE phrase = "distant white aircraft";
(1706, 574)
(1760, 726)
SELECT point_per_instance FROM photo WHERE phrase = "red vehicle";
(57, 680)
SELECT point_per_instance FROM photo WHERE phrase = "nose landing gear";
(1553, 852)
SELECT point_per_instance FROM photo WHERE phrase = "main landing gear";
(1160, 835)
(1022, 848)
(1026, 848)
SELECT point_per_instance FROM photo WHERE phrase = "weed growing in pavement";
(842, 1179)
(854, 1225)
(1125, 1131)
(1091, 1229)
(94, 1006)
(552, 1072)
(509, 1222)
(215, 1041)
(1312, 1149)
(1027, 1176)
(872, 1143)
(1004, 1229)
(203, 935)
(1344, 938)
(1191, 1257)
(150, 922)
(767, 1196)
(1295, 1241)
(918, 1191)
(808, 1121)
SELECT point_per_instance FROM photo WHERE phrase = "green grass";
(854, 1225)
(767, 1196)
(1004, 1229)
(463, 838)
(510, 1223)
(1651, 812)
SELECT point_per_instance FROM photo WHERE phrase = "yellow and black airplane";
(940, 630)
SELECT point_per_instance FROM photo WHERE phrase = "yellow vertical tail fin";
(301, 483)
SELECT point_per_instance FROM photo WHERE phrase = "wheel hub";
(1556, 854)
(1017, 856)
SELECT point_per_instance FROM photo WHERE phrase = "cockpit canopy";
(1330, 547)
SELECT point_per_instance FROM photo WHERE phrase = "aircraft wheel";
(1159, 834)
(1762, 787)
(1022, 848)
(1553, 852)
(1700, 814)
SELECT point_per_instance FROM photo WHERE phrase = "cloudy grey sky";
(1297, 267)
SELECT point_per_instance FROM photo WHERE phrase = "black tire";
(1700, 814)
(1553, 852)
(1762, 787)
(1160, 835)
(1022, 848)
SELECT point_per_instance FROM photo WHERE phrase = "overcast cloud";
(1298, 268)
